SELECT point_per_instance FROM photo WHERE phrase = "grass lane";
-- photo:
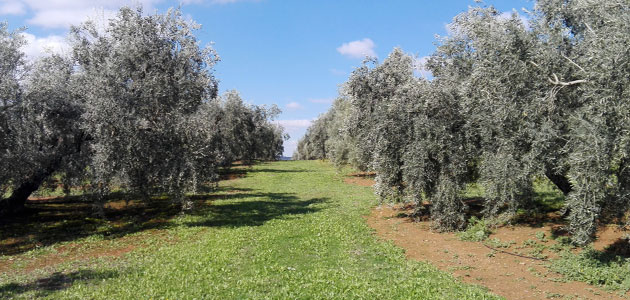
(288, 230)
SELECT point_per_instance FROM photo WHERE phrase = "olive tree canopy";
(134, 107)
(510, 101)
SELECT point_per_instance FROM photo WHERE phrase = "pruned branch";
(535, 64)
(557, 81)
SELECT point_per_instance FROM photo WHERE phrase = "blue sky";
(291, 53)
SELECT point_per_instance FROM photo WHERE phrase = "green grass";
(595, 267)
(288, 230)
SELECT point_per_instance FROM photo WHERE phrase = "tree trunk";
(561, 181)
(15, 202)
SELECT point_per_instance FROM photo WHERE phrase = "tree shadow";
(363, 175)
(46, 222)
(65, 219)
(267, 170)
(255, 212)
(542, 208)
(242, 171)
(620, 247)
(55, 282)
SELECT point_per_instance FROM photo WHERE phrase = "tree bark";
(560, 180)
(15, 203)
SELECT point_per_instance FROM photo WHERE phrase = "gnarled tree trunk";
(561, 181)
(15, 203)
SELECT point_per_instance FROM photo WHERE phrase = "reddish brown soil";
(505, 274)
(76, 252)
(510, 276)
(49, 221)
(361, 178)
(67, 255)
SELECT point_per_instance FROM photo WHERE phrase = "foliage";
(12, 61)
(134, 107)
(313, 144)
(245, 130)
(329, 137)
(149, 76)
(509, 101)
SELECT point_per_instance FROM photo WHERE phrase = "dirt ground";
(507, 272)
(362, 179)
(510, 276)
(502, 272)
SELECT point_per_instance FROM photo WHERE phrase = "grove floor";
(284, 230)
(513, 262)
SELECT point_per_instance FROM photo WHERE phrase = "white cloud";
(294, 105)
(289, 147)
(60, 18)
(12, 8)
(322, 100)
(63, 13)
(37, 47)
(358, 49)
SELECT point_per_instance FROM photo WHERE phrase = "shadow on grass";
(55, 282)
(49, 221)
(363, 175)
(66, 219)
(240, 172)
(267, 170)
(544, 207)
(255, 212)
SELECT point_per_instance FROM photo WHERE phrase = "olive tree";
(490, 57)
(144, 76)
(40, 134)
(12, 65)
(313, 144)
(589, 41)
(135, 106)
(508, 102)
(341, 145)
(246, 131)
(380, 101)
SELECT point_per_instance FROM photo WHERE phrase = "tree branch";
(557, 81)
(582, 69)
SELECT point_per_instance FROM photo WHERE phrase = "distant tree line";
(133, 106)
(510, 99)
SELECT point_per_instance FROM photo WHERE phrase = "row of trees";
(134, 105)
(510, 100)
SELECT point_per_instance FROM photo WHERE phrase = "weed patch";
(476, 231)
(595, 267)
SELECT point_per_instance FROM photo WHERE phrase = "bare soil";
(506, 274)
(512, 272)
(361, 178)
